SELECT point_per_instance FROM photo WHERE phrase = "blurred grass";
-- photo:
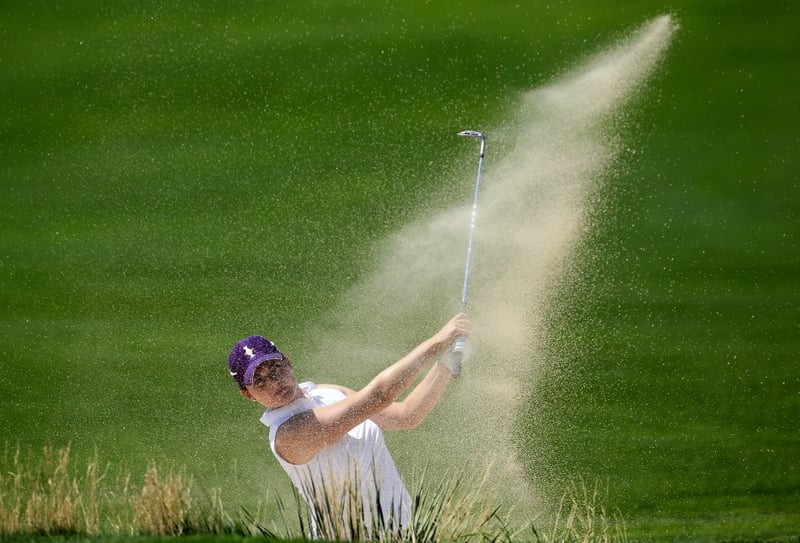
(173, 173)
(679, 338)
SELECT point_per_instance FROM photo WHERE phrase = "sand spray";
(558, 149)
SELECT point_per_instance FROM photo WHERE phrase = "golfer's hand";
(458, 326)
(457, 334)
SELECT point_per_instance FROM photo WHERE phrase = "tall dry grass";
(166, 504)
(47, 494)
(40, 495)
(444, 508)
(583, 517)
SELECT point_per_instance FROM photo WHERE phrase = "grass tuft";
(444, 508)
(47, 495)
(39, 495)
(582, 517)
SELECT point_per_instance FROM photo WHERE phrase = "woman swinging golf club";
(328, 438)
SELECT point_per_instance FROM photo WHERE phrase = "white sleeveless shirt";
(346, 479)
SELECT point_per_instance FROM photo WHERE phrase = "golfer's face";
(274, 383)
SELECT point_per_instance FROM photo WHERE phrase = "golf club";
(460, 349)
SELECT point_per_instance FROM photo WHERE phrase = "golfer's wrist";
(439, 345)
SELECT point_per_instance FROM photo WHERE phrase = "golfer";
(329, 439)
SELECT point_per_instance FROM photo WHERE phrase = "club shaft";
(460, 348)
(473, 216)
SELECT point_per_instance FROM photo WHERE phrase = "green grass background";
(173, 173)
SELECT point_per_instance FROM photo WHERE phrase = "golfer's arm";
(300, 437)
(303, 435)
(415, 408)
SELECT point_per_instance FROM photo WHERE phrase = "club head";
(475, 134)
(471, 134)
